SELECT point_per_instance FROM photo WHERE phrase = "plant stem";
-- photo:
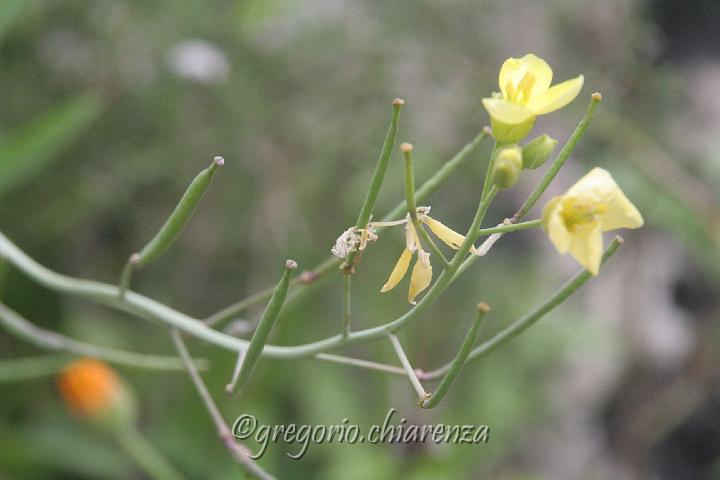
(31, 368)
(528, 320)
(145, 454)
(331, 263)
(49, 340)
(431, 185)
(357, 362)
(347, 312)
(409, 182)
(412, 205)
(433, 246)
(459, 361)
(422, 394)
(149, 309)
(240, 453)
(559, 160)
(305, 278)
(377, 180)
(509, 227)
(488, 171)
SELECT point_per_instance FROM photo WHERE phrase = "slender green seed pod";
(267, 321)
(179, 217)
(172, 227)
(460, 359)
(382, 165)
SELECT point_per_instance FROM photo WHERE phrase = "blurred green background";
(109, 108)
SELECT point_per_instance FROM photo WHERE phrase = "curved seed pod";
(172, 226)
(259, 338)
(179, 217)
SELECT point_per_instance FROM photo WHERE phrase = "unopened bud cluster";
(511, 159)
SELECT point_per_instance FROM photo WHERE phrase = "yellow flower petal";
(421, 276)
(587, 246)
(449, 236)
(599, 188)
(507, 112)
(412, 241)
(554, 225)
(556, 96)
(515, 70)
(621, 214)
(398, 272)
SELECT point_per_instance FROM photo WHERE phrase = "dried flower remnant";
(350, 240)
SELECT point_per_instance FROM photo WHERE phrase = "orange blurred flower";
(92, 389)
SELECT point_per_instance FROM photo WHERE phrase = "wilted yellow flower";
(422, 271)
(525, 92)
(575, 221)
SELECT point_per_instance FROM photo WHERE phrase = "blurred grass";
(34, 147)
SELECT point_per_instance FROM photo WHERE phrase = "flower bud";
(92, 390)
(537, 151)
(507, 166)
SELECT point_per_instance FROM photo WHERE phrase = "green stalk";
(510, 227)
(152, 310)
(559, 160)
(528, 320)
(360, 363)
(347, 312)
(49, 340)
(409, 182)
(267, 321)
(330, 264)
(459, 361)
(409, 371)
(149, 309)
(31, 368)
(433, 246)
(377, 180)
(146, 455)
(489, 171)
(239, 453)
(431, 185)
(173, 225)
(305, 278)
(412, 205)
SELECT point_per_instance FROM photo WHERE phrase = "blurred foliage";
(101, 130)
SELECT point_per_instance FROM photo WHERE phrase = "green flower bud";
(537, 151)
(507, 166)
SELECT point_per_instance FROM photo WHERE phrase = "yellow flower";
(422, 271)
(575, 221)
(525, 93)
